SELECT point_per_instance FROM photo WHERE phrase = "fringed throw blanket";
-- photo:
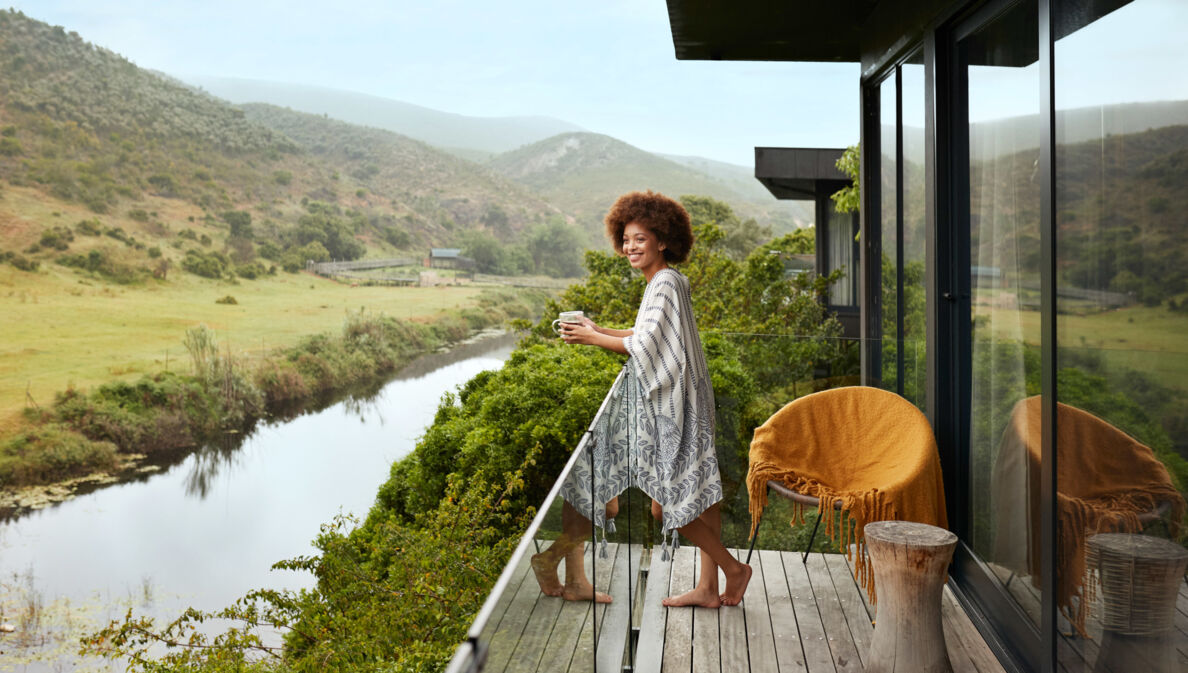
(867, 447)
(657, 432)
(1105, 480)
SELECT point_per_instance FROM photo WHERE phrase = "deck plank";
(760, 640)
(616, 626)
(707, 655)
(955, 637)
(511, 627)
(649, 653)
(840, 641)
(789, 652)
(678, 633)
(733, 624)
(583, 654)
(558, 652)
(853, 608)
(812, 631)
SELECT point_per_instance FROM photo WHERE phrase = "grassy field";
(62, 330)
(1152, 340)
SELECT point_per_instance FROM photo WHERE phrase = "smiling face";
(644, 251)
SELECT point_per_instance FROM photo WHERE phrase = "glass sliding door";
(889, 230)
(1121, 193)
(912, 286)
(997, 121)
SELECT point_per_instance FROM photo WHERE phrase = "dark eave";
(798, 172)
(767, 30)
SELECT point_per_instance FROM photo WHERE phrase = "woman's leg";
(575, 528)
(706, 532)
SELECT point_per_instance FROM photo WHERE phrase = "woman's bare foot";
(583, 591)
(698, 597)
(736, 584)
(546, 575)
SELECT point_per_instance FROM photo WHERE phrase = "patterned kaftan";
(657, 431)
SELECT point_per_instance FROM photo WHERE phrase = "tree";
(847, 199)
(488, 254)
(240, 222)
(556, 247)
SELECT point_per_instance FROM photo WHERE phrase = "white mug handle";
(555, 330)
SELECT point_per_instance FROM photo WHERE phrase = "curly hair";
(664, 217)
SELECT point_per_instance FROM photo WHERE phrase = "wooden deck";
(795, 617)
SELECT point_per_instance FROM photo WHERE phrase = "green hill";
(582, 173)
(438, 190)
(136, 173)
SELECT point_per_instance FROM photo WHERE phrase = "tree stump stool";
(1139, 576)
(910, 563)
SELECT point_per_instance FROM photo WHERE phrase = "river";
(207, 529)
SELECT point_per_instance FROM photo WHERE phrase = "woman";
(672, 457)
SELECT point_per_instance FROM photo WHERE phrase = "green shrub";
(251, 271)
(58, 238)
(206, 264)
(282, 177)
(49, 453)
(24, 263)
(91, 227)
(9, 147)
(139, 214)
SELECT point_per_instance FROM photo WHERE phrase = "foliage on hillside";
(427, 186)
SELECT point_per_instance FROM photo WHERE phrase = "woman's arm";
(615, 332)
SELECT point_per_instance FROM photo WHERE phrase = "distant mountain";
(442, 129)
(582, 173)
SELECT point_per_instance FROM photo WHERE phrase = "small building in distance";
(448, 258)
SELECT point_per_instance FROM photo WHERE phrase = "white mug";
(567, 317)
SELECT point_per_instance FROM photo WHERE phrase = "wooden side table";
(910, 562)
(1140, 577)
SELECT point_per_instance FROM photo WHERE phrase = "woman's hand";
(584, 333)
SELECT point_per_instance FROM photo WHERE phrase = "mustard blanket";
(870, 448)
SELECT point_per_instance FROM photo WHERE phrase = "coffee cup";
(569, 317)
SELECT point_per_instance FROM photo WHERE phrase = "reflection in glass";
(889, 226)
(914, 352)
(1122, 142)
(842, 255)
(1004, 226)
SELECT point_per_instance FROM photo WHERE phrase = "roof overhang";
(798, 172)
(768, 30)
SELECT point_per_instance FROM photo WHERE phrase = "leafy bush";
(21, 262)
(205, 264)
(138, 214)
(9, 147)
(251, 271)
(91, 227)
(51, 452)
(226, 300)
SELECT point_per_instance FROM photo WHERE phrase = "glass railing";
(582, 590)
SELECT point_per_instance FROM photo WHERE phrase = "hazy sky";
(607, 66)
